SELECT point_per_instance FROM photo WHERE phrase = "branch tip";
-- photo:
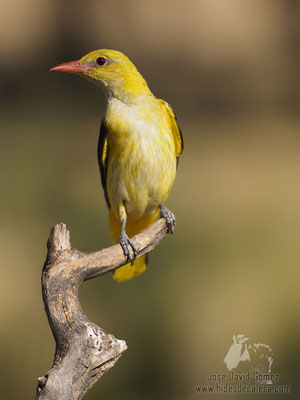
(59, 238)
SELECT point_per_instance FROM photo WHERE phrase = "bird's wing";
(176, 131)
(103, 151)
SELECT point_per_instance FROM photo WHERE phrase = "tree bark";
(83, 350)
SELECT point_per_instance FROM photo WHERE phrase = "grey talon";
(128, 246)
(169, 217)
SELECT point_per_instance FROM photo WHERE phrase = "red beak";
(73, 67)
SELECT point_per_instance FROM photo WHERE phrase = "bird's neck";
(131, 89)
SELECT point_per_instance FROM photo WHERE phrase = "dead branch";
(83, 350)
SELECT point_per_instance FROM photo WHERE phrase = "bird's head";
(110, 69)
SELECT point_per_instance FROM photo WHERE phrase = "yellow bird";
(138, 150)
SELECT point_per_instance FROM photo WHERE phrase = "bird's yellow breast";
(141, 159)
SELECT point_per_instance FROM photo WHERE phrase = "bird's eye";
(101, 61)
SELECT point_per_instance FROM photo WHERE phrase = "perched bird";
(138, 150)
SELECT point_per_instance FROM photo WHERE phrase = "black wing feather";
(181, 137)
(103, 162)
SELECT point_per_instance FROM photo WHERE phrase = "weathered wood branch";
(83, 350)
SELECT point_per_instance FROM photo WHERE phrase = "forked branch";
(83, 350)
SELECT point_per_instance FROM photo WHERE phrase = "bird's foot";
(169, 217)
(129, 249)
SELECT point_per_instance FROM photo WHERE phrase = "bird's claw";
(169, 217)
(129, 249)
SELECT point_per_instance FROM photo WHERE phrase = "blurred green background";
(230, 69)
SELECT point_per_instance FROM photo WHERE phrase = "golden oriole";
(138, 150)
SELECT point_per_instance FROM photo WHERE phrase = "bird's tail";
(133, 227)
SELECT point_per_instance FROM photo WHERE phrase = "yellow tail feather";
(133, 227)
(129, 271)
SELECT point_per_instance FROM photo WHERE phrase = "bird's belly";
(141, 175)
